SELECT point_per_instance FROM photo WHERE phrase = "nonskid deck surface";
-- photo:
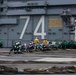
(38, 60)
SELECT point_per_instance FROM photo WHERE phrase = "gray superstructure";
(23, 20)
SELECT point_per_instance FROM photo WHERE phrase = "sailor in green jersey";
(1, 43)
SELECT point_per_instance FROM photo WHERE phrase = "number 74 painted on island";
(41, 22)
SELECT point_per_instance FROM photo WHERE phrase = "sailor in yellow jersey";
(45, 42)
(36, 42)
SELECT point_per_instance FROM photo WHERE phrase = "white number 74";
(41, 22)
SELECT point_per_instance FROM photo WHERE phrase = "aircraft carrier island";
(23, 20)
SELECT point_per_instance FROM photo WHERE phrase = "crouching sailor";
(36, 42)
(45, 44)
(15, 48)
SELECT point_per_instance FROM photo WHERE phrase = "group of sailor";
(32, 45)
(45, 45)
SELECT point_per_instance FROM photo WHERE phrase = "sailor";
(15, 47)
(36, 42)
(45, 42)
(18, 47)
(1, 44)
(23, 47)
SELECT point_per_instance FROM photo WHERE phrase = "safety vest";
(36, 41)
(45, 42)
